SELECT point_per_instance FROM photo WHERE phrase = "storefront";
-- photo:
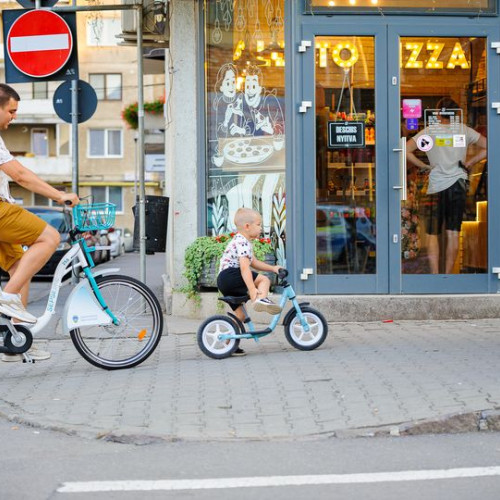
(319, 104)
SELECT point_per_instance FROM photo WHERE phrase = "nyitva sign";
(346, 134)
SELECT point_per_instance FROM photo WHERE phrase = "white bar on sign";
(37, 43)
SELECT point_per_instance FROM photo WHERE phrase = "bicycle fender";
(102, 272)
(83, 309)
(291, 311)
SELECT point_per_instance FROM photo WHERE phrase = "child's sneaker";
(239, 352)
(266, 305)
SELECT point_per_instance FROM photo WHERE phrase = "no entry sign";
(39, 44)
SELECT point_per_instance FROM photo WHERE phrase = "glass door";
(349, 249)
(439, 161)
(395, 159)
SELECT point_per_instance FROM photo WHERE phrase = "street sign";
(39, 45)
(31, 4)
(87, 101)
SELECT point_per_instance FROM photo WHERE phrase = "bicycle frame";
(252, 333)
(78, 256)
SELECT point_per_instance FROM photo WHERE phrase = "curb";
(456, 423)
(453, 423)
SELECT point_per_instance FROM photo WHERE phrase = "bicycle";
(305, 327)
(114, 321)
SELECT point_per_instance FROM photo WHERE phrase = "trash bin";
(156, 223)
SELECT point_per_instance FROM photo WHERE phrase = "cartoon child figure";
(228, 107)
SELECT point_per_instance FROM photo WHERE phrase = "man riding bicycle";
(19, 227)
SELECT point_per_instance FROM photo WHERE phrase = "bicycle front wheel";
(132, 341)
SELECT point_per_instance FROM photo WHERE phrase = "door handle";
(402, 168)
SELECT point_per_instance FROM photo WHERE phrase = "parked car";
(128, 239)
(102, 254)
(61, 219)
(116, 242)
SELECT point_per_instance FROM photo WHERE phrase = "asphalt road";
(39, 464)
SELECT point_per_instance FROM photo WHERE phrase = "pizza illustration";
(242, 152)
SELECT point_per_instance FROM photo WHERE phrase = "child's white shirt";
(238, 247)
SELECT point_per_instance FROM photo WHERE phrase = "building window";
(245, 120)
(40, 200)
(101, 32)
(105, 143)
(39, 90)
(40, 141)
(109, 194)
(63, 139)
(108, 86)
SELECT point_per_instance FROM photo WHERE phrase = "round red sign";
(39, 43)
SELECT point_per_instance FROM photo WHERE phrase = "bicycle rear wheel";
(132, 341)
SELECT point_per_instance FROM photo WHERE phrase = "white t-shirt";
(238, 247)
(444, 159)
(5, 156)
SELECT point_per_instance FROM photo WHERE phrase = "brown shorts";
(18, 227)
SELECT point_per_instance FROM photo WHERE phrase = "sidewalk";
(368, 378)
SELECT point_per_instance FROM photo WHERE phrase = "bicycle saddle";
(235, 300)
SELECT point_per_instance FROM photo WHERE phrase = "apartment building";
(41, 141)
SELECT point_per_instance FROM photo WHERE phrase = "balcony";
(50, 169)
(36, 111)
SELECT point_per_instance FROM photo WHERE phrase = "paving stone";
(366, 374)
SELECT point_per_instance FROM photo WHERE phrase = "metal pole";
(74, 143)
(140, 149)
(74, 134)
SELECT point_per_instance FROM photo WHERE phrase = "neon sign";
(345, 55)
(457, 57)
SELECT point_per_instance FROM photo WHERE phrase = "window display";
(245, 121)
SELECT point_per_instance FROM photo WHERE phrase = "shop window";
(108, 194)
(108, 86)
(105, 143)
(465, 7)
(245, 120)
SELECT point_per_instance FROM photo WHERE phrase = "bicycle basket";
(94, 216)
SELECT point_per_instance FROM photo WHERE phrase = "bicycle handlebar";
(282, 273)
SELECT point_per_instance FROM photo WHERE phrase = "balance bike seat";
(236, 301)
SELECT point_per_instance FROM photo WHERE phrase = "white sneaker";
(35, 354)
(14, 308)
(266, 305)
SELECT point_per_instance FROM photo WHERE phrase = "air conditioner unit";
(155, 24)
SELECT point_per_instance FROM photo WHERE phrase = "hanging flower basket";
(129, 114)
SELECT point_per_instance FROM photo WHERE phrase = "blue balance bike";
(305, 328)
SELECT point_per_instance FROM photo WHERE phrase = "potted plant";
(202, 257)
(129, 114)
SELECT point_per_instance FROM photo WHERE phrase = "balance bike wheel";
(208, 337)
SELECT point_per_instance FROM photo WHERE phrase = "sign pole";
(74, 142)
(140, 147)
